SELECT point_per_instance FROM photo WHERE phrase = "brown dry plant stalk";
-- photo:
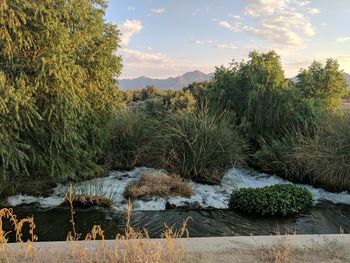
(134, 246)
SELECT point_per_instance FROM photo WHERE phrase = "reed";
(199, 146)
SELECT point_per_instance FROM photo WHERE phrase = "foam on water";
(205, 196)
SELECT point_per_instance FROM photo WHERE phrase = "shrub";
(276, 155)
(183, 102)
(199, 90)
(272, 200)
(325, 157)
(130, 140)
(157, 184)
(275, 113)
(155, 106)
(198, 145)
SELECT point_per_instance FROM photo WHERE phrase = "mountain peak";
(169, 83)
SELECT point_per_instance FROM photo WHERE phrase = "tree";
(183, 102)
(325, 83)
(260, 99)
(151, 91)
(57, 86)
(199, 91)
(232, 86)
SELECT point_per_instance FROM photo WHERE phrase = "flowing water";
(207, 208)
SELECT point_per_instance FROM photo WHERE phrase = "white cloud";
(157, 10)
(134, 56)
(128, 29)
(343, 39)
(157, 65)
(214, 44)
(195, 12)
(237, 27)
(313, 11)
(131, 8)
(199, 42)
(281, 22)
(237, 17)
(225, 46)
(303, 3)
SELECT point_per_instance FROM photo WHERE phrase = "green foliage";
(150, 92)
(199, 91)
(274, 155)
(130, 141)
(156, 106)
(232, 86)
(183, 102)
(273, 113)
(270, 109)
(279, 200)
(325, 157)
(198, 146)
(326, 83)
(57, 86)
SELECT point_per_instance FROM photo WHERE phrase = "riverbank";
(291, 248)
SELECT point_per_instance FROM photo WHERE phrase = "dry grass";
(85, 201)
(285, 251)
(131, 247)
(158, 184)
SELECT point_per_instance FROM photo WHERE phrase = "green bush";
(284, 200)
(183, 101)
(199, 146)
(130, 140)
(58, 92)
(155, 106)
(272, 114)
(325, 157)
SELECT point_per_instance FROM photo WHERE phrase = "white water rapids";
(205, 196)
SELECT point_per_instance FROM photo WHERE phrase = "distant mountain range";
(180, 81)
(169, 83)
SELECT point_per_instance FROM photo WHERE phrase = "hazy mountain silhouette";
(169, 83)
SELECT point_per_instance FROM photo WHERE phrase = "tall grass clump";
(199, 146)
(131, 139)
(325, 158)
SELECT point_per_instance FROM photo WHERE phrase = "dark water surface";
(53, 224)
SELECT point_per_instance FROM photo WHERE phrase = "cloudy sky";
(162, 38)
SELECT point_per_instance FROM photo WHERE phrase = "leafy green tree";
(232, 86)
(183, 102)
(150, 91)
(199, 91)
(324, 82)
(273, 113)
(57, 86)
(127, 96)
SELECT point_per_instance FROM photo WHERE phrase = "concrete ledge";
(211, 244)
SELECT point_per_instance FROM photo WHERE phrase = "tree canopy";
(57, 85)
(324, 82)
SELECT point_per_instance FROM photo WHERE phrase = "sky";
(164, 38)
